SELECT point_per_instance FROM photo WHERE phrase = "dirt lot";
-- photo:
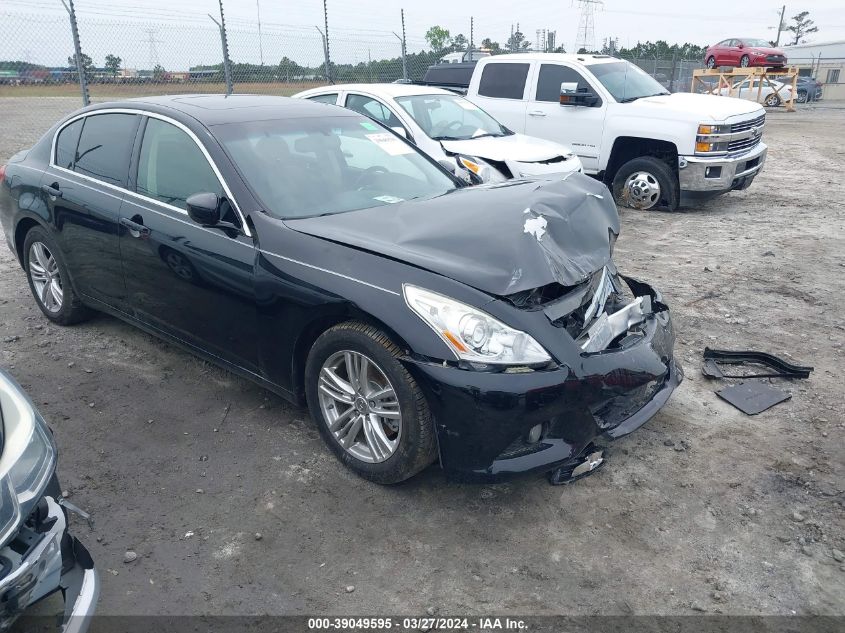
(703, 509)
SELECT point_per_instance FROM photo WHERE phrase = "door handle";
(135, 229)
(537, 113)
(52, 190)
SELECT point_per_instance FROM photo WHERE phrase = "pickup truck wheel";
(646, 183)
(711, 62)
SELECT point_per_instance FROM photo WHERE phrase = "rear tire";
(744, 61)
(802, 96)
(646, 183)
(49, 281)
(711, 62)
(772, 100)
(384, 449)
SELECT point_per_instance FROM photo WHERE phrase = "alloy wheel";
(642, 190)
(360, 406)
(44, 272)
(744, 61)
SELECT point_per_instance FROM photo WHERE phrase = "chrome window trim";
(166, 119)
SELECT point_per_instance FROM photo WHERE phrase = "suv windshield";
(450, 117)
(626, 82)
(322, 165)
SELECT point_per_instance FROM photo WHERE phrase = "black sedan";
(319, 254)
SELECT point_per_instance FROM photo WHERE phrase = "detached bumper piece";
(587, 463)
(42, 559)
(713, 358)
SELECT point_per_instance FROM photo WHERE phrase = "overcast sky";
(183, 33)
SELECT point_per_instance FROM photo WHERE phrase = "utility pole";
(402, 42)
(471, 24)
(227, 71)
(780, 25)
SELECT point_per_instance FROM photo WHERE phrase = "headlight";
(482, 169)
(708, 140)
(28, 458)
(472, 334)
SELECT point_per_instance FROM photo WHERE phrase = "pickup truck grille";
(760, 121)
(744, 144)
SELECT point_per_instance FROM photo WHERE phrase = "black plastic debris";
(713, 358)
(591, 459)
(753, 397)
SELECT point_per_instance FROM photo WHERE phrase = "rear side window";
(329, 98)
(373, 109)
(172, 167)
(105, 146)
(66, 144)
(552, 75)
(503, 81)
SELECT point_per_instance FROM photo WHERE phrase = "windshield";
(753, 42)
(626, 82)
(321, 165)
(450, 117)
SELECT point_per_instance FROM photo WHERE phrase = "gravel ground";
(703, 509)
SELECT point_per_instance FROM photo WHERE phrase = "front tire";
(367, 406)
(646, 183)
(48, 279)
(802, 96)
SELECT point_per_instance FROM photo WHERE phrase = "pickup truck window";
(552, 75)
(503, 81)
(626, 82)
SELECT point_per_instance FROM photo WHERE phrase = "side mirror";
(204, 208)
(571, 96)
(400, 131)
(741, 45)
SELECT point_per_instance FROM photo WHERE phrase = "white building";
(823, 60)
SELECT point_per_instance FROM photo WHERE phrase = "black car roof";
(211, 109)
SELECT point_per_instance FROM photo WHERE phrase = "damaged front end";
(38, 556)
(612, 339)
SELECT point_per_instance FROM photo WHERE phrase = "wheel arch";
(627, 148)
(22, 228)
(312, 331)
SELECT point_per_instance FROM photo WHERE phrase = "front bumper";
(483, 419)
(42, 559)
(720, 174)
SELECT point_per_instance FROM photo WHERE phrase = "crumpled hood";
(698, 107)
(500, 239)
(519, 147)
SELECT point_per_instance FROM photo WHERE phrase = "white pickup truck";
(652, 148)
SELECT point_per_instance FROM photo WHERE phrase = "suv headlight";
(471, 334)
(28, 458)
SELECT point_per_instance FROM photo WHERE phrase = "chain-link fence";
(47, 70)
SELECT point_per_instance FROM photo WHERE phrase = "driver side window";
(373, 109)
(171, 167)
(552, 76)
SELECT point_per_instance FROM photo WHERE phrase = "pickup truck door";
(502, 91)
(580, 127)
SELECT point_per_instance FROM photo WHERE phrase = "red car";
(743, 52)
